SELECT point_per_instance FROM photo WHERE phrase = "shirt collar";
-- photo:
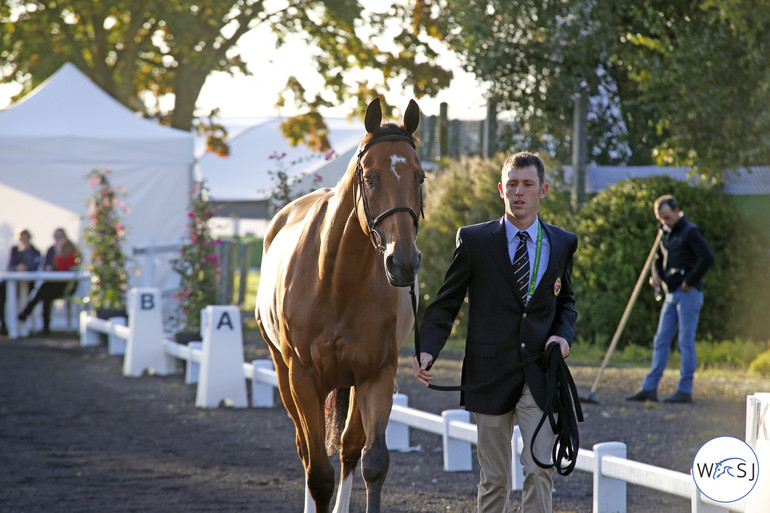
(511, 231)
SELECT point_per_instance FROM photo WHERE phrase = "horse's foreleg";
(353, 439)
(284, 387)
(375, 401)
(319, 473)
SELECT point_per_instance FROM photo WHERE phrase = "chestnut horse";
(334, 309)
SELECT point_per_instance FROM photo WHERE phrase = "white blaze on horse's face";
(396, 159)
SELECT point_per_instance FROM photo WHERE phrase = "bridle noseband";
(374, 235)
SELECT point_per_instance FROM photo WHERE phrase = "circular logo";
(725, 469)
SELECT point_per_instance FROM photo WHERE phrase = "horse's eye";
(422, 179)
(368, 181)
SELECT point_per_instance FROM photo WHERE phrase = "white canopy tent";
(242, 183)
(65, 128)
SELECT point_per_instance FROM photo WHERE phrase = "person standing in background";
(682, 258)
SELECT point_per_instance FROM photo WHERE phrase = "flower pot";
(108, 313)
(185, 337)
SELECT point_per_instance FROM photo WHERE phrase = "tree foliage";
(681, 82)
(139, 50)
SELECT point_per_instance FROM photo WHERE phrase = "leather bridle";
(371, 223)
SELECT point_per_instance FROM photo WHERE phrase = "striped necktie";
(521, 267)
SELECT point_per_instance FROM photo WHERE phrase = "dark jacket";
(682, 255)
(29, 256)
(501, 330)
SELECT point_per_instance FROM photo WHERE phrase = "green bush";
(616, 230)
(761, 364)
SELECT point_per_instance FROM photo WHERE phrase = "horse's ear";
(373, 116)
(411, 117)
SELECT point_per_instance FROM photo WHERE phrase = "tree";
(670, 81)
(537, 55)
(140, 50)
(706, 65)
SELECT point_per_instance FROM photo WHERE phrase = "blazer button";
(523, 345)
(524, 315)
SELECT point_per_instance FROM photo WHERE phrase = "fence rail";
(221, 375)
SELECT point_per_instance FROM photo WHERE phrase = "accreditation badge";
(557, 287)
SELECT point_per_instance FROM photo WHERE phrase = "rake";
(624, 318)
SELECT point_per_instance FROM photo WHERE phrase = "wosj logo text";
(725, 469)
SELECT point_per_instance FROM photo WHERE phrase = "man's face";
(521, 191)
(667, 216)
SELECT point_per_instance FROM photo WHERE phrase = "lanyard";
(536, 267)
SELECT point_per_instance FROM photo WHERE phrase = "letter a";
(225, 320)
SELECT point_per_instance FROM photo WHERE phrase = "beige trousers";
(494, 453)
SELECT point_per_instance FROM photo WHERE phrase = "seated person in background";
(24, 257)
(62, 256)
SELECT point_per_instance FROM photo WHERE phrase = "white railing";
(221, 377)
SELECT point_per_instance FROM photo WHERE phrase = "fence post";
(609, 493)
(396, 433)
(221, 371)
(261, 393)
(192, 368)
(457, 454)
(87, 337)
(144, 347)
(517, 444)
(758, 437)
(116, 345)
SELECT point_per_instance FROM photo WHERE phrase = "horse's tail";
(337, 404)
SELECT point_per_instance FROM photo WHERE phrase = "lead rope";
(563, 411)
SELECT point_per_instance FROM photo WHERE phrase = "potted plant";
(104, 236)
(198, 267)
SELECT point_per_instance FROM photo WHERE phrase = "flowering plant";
(285, 190)
(104, 236)
(198, 263)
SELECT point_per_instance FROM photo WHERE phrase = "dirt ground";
(77, 436)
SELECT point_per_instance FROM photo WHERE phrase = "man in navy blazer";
(508, 322)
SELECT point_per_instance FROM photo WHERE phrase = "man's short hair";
(666, 199)
(526, 159)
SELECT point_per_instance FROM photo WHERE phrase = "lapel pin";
(557, 287)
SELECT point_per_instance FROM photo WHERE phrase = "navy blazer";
(501, 330)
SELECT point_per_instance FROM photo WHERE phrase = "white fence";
(221, 377)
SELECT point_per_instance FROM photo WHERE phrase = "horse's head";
(389, 180)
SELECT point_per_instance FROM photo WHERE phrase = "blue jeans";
(680, 311)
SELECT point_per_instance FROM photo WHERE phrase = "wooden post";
(579, 150)
(490, 130)
(443, 130)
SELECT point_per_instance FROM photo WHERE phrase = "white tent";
(242, 182)
(64, 129)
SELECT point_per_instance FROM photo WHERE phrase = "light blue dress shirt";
(512, 234)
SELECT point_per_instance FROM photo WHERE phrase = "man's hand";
(420, 370)
(655, 281)
(563, 344)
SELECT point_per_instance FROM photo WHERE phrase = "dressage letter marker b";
(144, 347)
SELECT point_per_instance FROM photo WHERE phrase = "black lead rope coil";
(563, 412)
